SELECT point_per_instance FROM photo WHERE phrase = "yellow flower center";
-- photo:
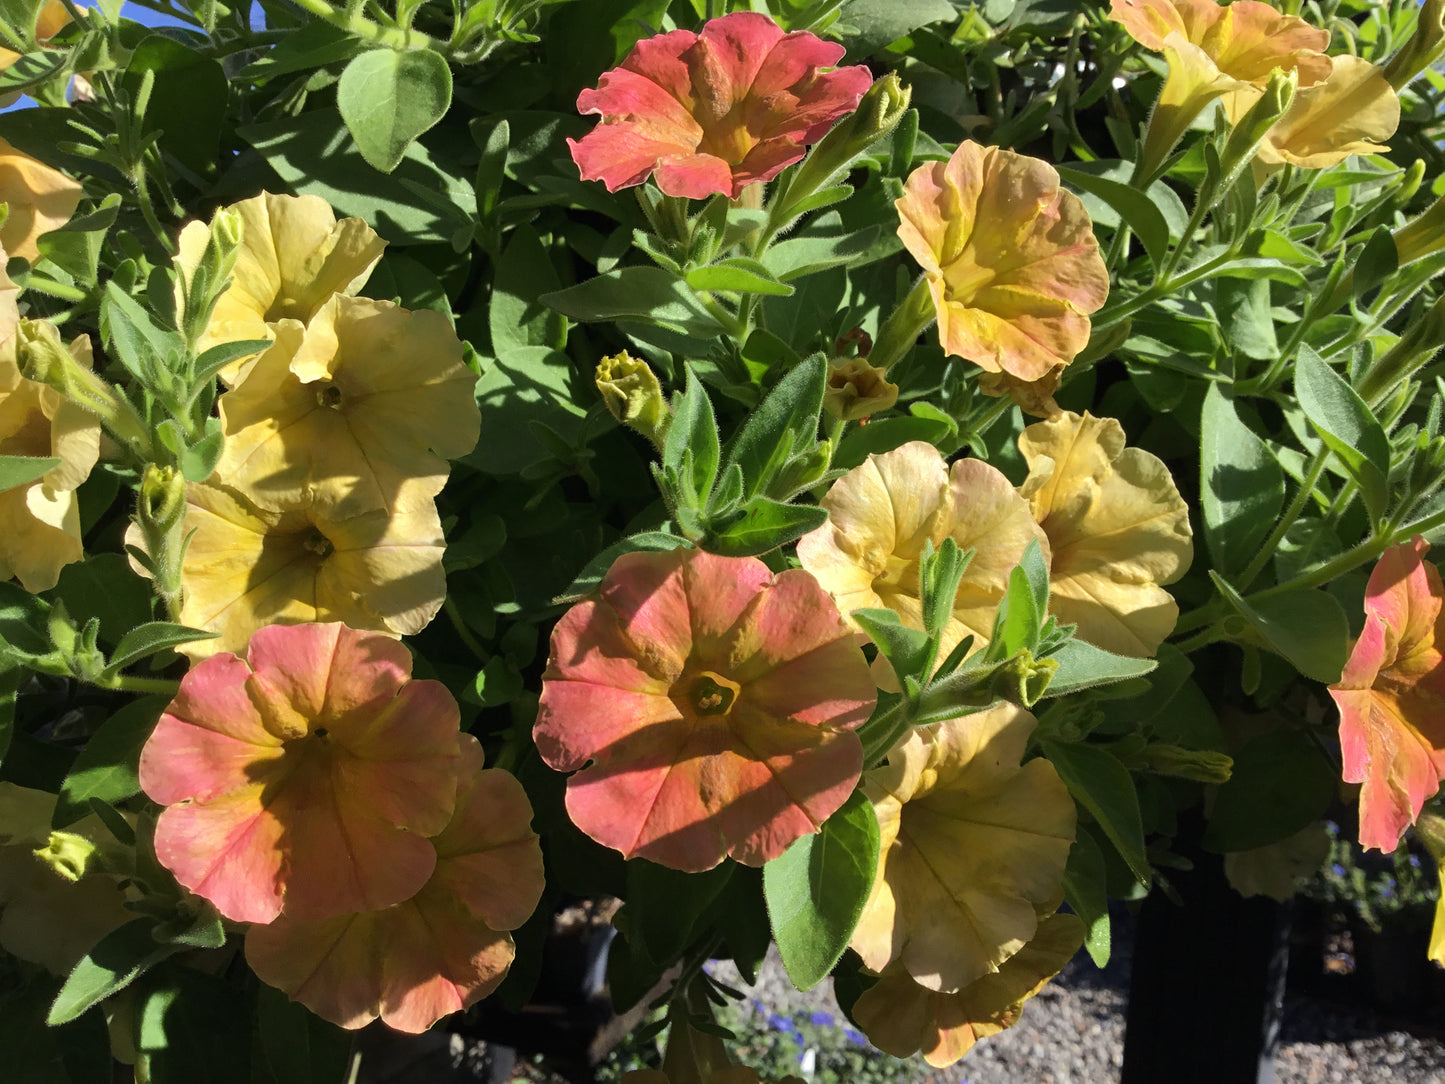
(329, 395)
(319, 544)
(285, 306)
(712, 694)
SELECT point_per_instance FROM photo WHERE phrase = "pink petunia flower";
(716, 111)
(715, 702)
(1392, 696)
(307, 775)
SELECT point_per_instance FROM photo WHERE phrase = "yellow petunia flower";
(1349, 113)
(972, 847)
(40, 199)
(880, 515)
(1117, 527)
(370, 398)
(1010, 259)
(247, 567)
(901, 1018)
(294, 256)
(41, 518)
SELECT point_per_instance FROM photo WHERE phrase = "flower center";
(329, 395)
(288, 307)
(712, 694)
(319, 544)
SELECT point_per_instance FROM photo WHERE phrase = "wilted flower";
(715, 703)
(857, 390)
(439, 951)
(40, 199)
(294, 256)
(1214, 49)
(1391, 696)
(247, 567)
(1010, 258)
(368, 399)
(1278, 870)
(716, 111)
(1117, 528)
(880, 515)
(305, 776)
(1034, 397)
(1349, 113)
(973, 846)
(41, 519)
(901, 1018)
(44, 917)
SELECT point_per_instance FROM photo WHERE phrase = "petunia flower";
(41, 519)
(1391, 696)
(1349, 113)
(715, 703)
(716, 111)
(880, 515)
(441, 950)
(901, 1018)
(41, 199)
(369, 399)
(308, 775)
(1010, 258)
(1214, 49)
(1117, 527)
(972, 846)
(294, 256)
(247, 567)
(857, 390)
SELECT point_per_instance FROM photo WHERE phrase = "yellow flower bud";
(857, 389)
(1200, 765)
(633, 395)
(68, 854)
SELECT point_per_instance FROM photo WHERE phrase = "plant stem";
(464, 634)
(129, 683)
(363, 27)
(1292, 513)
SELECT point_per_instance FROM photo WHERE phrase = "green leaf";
(1241, 485)
(591, 575)
(817, 888)
(121, 956)
(107, 767)
(1105, 788)
(142, 347)
(791, 409)
(212, 361)
(692, 441)
(765, 525)
(884, 435)
(1082, 666)
(198, 461)
(801, 256)
(1246, 319)
(1133, 206)
(515, 317)
(106, 588)
(526, 385)
(187, 106)
(648, 293)
(21, 470)
(298, 1045)
(1085, 887)
(314, 45)
(1377, 261)
(24, 620)
(1347, 426)
(874, 23)
(184, 1019)
(739, 275)
(906, 649)
(389, 98)
(1016, 625)
(664, 906)
(145, 640)
(1309, 628)
(1280, 783)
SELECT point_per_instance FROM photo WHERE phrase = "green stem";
(362, 27)
(1111, 315)
(900, 331)
(55, 289)
(1196, 219)
(732, 324)
(129, 683)
(464, 634)
(1292, 513)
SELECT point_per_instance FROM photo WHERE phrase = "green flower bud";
(68, 854)
(213, 274)
(1410, 183)
(1249, 132)
(881, 108)
(1200, 765)
(42, 357)
(162, 503)
(633, 396)
(1422, 339)
(1425, 46)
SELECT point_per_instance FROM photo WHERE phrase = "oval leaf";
(387, 99)
(1241, 485)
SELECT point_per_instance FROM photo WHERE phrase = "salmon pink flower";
(1010, 258)
(715, 702)
(1392, 696)
(439, 951)
(716, 111)
(307, 775)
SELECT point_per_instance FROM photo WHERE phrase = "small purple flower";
(821, 1020)
(1339, 870)
(1415, 860)
(779, 1023)
(857, 1038)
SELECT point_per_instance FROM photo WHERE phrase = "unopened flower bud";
(1250, 130)
(633, 395)
(43, 358)
(856, 389)
(68, 854)
(1200, 765)
(1430, 829)
(1422, 236)
(162, 502)
(878, 113)
(1410, 183)
(1422, 339)
(213, 274)
(1024, 679)
(1425, 46)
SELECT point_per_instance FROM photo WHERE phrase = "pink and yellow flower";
(41, 199)
(441, 950)
(307, 775)
(715, 702)
(1010, 258)
(716, 111)
(1392, 696)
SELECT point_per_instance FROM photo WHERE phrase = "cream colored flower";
(1117, 527)
(370, 398)
(1351, 112)
(857, 390)
(294, 256)
(972, 848)
(881, 513)
(40, 199)
(41, 532)
(246, 567)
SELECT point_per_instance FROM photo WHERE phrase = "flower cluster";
(337, 436)
(314, 789)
